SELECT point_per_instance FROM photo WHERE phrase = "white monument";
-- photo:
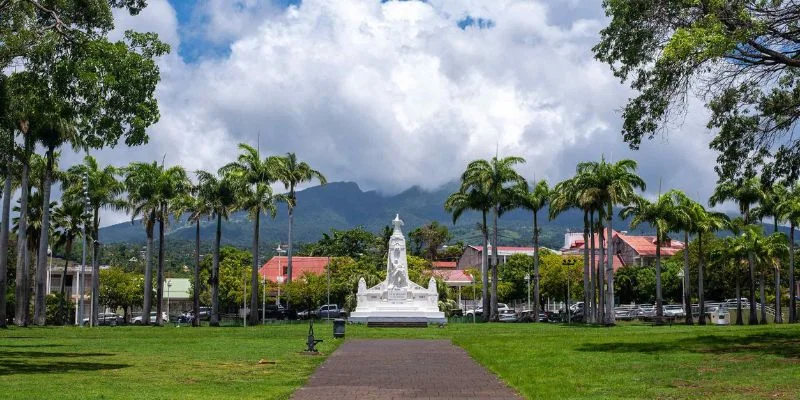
(397, 299)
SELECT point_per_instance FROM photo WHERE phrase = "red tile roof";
(616, 262)
(444, 264)
(454, 277)
(276, 266)
(645, 245)
(578, 243)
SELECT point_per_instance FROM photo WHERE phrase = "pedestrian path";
(402, 369)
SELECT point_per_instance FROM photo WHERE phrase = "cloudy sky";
(398, 93)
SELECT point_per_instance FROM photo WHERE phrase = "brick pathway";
(402, 369)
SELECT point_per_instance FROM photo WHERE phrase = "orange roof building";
(277, 267)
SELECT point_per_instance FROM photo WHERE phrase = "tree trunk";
(494, 316)
(590, 308)
(600, 302)
(215, 275)
(196, 291)
(96, 267)
(586, 268)
(148, 270)
(659, 298)
(610, 318)
(762, 298)
(485, 270)
(739, 320)
(21, 314)
(254, 273)
(700, 295)
(289, 247)
(753, 319)
(160, 270)
(687, 290)
(778, 312)
(792, 285)
(63, 288)
(39, 307)
(4, 227)
(535, 268)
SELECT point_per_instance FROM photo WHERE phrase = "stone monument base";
(387, 318)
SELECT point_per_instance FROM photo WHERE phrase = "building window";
(285, 270)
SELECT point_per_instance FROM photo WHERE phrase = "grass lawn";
(540, 361)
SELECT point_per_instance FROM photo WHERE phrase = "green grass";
(540, 361)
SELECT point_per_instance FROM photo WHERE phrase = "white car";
(479, 310)
(674, 310)
(138, 320)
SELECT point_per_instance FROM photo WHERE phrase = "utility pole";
(82, 274)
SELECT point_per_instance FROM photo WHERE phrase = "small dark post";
(311, 342)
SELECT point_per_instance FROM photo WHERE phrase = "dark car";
(275, 311)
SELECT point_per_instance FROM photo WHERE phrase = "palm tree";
(703, 223)
(535, 200)
(192, 204)
(218, 194)
(292, 173)
(32, 235)
(774, 193)
(763, 250)
(496, 178)
(746, 193)
(460, 202)
(22, 293)
(140, 184)
(661, 215)
(789, 209)
(775, 249)
(7, 146)
(257, 175)
(685, 222)
(103, 193)
(68, 219)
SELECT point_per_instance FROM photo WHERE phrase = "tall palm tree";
(746, 193)
(103, 193)
(140, 184)
(68, 219)
(496, 178)
(616, 184)
(774, 250)
(535, 200)
(774, 193)
(703, 223)
(292, 173)
(789, 209)
(7, 146)
(218, 193)
(32, 235)
(661, 215)
(21, 314)
(171, 183)
(460, 202)
(257, 175)
(196, 208)
(685, 222)
(762, 251)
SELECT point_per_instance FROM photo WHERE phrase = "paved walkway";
(402, 369)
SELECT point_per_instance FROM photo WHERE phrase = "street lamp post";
(264, 300)
(683, 290)
(528, 285)
(568, 263)
(279, 279)
(279, 275)
(169, 285)
(244, 301)
(328, 273)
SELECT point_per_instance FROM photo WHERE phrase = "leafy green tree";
(428, 239)
(739, 56)
(120, 289)
(495, 178)
(352, 243)
(256, 176)
(292, 173)
(535, 200)
(557, 275)
(218, 194)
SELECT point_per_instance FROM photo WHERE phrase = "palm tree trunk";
(63, 289)
(39, 307)
(792, 285)
(610, 318)
(289, 247)
(586, 268)
(700, 295)
(762, 298)
(254, 273)
(590, 310)
(778, 312)
(196, 291)
(739, 320)
(687, 290)
(535, 268)
(215, 275)
(160, 271)
(753, 319)
(485, 270)
(659, 298)
(21, 293)
(494, 315)
(600, 301)
(148, 270)
(96, 267)
(4, 227)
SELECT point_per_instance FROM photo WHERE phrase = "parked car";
(274, 311)
(478, 311)
(622, 313)
(507, 315)
(528, 316)
(106, 319)
(138, 319)
(326, 311)
(674, 310)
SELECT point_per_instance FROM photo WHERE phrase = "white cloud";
(395, 94)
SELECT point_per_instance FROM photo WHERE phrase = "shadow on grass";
(14, 367)
(29, 345)
(774, 343)
(41, 354)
